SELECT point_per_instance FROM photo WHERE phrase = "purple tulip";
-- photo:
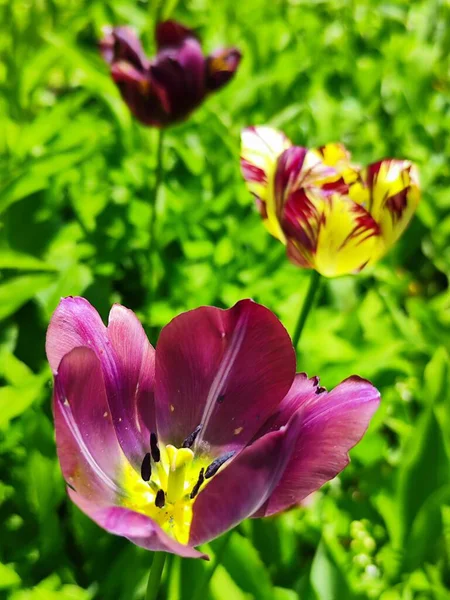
(167, 88)
(172, 447)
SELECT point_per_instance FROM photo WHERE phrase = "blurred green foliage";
(75, 179)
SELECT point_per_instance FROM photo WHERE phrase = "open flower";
(174, 446)
(167, 88)
(332, 215)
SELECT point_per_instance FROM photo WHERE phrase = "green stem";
(306, 307)
(208, 575)
(154, 579)
(154, 212)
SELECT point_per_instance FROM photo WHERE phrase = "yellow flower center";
(168, 486)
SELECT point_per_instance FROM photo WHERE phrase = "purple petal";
(136, 527)
(170, 33)
(88, 450)
(225, 369)
(331, 424)
(146, 99)
(136, 361)
(179, 71)
(128, 375)
(244, 485)
(221, 66)
(303, 391)
(122, 44)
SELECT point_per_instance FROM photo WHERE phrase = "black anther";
(192, 437)
(156, 454)
(221, 398)
(160, 499)
(146, 467)
(197, 486)
(216, 464)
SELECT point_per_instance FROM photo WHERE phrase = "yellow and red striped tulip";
(332, 215)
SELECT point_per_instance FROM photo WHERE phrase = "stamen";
(156, 454)
(146, 467)
(197, 486)
(220, 399)
(216, 464)
(320, 390)
(160, 499)
(188, 442)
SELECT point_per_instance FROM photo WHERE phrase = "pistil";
(179, 459)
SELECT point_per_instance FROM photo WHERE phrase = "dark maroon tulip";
(167, 88)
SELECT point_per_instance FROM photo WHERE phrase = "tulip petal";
(391, 196)
(331, 424)
(260, 149)
(180, 72)
(128, 380)
(147, 100)
(136, 527)
(221, 66)
(303, 391)
(244, 485)
(337, 156)
(329, 232)
(224, 369)
(170, 34)
(88, 450)
(122, 44)
(136, 360)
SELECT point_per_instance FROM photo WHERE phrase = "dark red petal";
(170, 33)
(331, 424)
(225, 369)
(88, 450)
(244, 485)
(122, 44)
(221, 66)
(180, 73)
(75, 323)
(136, 527)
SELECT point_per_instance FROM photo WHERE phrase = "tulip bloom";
(174, 446)
(167, 88)
(332, 215)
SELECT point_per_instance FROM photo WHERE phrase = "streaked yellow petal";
(391, 194)
(337, 156)
(348, 237)
(260, 149)
(335, 236)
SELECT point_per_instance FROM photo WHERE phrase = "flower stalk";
(154, 579)
(314, 284)
(154, 210)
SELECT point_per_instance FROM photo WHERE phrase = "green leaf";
(326, 577)
(437, 381)
(245, 566)
(8, 577)
(15, 292)
(425, 470)
(9, 259)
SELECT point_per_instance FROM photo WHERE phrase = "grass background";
(75, 178)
